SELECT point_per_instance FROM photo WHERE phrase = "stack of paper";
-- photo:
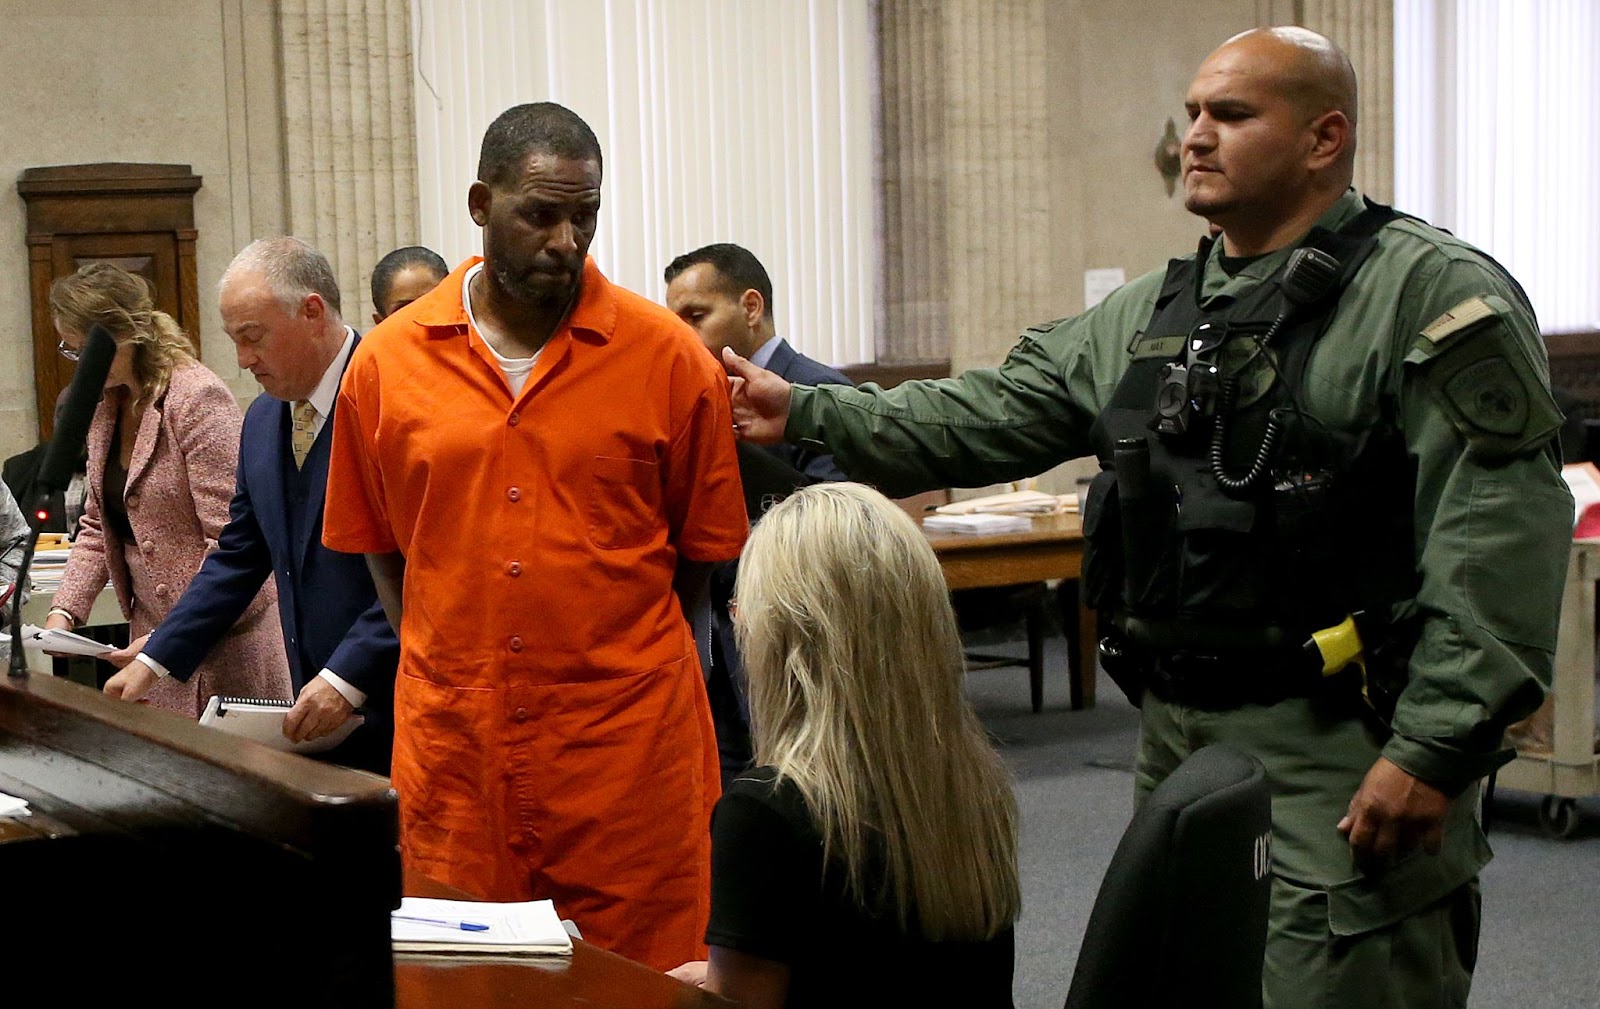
(10, 805)
(475, 928)
(977, 524)
(1021, 502)
(49, 563)
(59, 642)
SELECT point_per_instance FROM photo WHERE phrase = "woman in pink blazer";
(163, 450)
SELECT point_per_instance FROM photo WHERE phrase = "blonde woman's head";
(148, 339)
(857, 695)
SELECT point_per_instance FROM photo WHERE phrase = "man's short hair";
(293, 268)
(738, 268)
(411, 255)
(535, 128)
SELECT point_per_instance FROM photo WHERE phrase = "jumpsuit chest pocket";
(624, 502)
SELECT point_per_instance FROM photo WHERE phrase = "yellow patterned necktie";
(301, 431)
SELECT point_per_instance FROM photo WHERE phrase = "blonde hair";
(857, 696)
(102, 294)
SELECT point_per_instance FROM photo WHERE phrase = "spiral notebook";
(262, 722)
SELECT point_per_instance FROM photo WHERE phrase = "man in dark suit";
(280, 306)
(724, 293)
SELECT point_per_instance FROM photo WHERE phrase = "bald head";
(1306, 67)
(1271, 138)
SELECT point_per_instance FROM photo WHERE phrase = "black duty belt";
(1215, 681)
(1217, 667)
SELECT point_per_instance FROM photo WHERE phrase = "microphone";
(61, 458)
(60, 461)
(1307, 278)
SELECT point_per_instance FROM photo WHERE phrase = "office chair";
(1181, 916)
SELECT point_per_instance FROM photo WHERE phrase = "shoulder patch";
(1490, 396)
(1462, 317)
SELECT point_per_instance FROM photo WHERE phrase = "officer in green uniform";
(1330, 528)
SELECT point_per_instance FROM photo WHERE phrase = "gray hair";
(293, 269)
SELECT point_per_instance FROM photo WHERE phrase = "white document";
(1584, 481)
(60, 642)
(262, 722)
(1099, 283)
(526, 928)
(977, 523)
(10, 805)
(1020, 502)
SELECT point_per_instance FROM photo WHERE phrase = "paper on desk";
(60, 642)
(262, 722)
(1021, 502)
(10, 805)
(977, 523)
(529, 927)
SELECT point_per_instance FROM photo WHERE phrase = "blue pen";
(465, 926)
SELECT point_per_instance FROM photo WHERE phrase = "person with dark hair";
(402, 277)
(540, 468)
(1329, 529)
(724, 293)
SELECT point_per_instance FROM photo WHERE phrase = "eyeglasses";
(67, 352)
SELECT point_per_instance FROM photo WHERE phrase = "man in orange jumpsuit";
(539, 466)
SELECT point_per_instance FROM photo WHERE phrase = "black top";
(770, 897)
(113, 501)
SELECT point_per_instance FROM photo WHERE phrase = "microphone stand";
(19, 661)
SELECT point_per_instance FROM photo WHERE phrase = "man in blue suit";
(724, 293)
(280, 306)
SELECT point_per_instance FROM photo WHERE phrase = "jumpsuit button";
(521, 715)
(514, 568)
(132, 500)
(516, 643)
(514, 494)
(514, 419)
(161, 590)
(148, 548)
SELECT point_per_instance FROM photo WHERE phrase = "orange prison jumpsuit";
(552, 734)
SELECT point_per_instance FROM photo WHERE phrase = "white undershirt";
(516, 369)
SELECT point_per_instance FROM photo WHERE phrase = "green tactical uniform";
(1426, 324)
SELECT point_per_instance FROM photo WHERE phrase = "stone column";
(1364, 29)
(964, 177)
(349, 135)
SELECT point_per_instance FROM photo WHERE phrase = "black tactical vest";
(1305, 524)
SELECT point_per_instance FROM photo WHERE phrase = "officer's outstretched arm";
(987, 425)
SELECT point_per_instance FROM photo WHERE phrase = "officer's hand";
(132, 683)
(317, 711)
(1391, 812)
(760, 401)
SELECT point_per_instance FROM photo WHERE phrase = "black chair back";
(1181, 917)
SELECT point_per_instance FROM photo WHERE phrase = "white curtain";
(1497, 138)
(720, 121)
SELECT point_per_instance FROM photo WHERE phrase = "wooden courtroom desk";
(591, 977)
(1052, 549)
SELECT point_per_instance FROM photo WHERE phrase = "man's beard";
(536, 296)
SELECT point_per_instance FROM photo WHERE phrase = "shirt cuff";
(348, 692)
(161, 671)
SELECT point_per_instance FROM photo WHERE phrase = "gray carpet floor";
(1540, 946)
